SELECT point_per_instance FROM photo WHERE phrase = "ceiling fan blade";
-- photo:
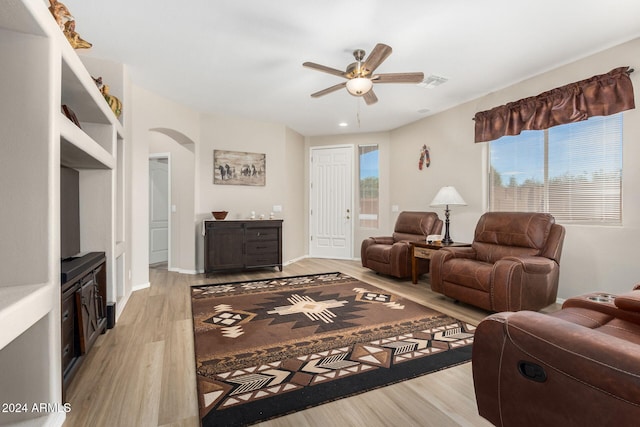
(328, 90)
(379, 53)
(398, 78)
(324, 69)
(370, 97)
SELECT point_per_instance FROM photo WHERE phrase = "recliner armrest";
(439, 257)
(533, 264)
(523, 283)
(383, 240)
(462, 252)
(629, 301)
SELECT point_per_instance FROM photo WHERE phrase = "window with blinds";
(573, 172)
(369, 173)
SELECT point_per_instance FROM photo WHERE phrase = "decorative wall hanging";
(239, 168)
(425, 159)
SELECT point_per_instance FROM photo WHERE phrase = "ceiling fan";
(360, 77)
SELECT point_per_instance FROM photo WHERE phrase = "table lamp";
(445, 197)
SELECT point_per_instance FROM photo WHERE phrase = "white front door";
(158, 210)
(331, 202)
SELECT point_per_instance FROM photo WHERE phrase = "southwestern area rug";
(266, 348)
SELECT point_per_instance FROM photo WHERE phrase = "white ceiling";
(244, 57)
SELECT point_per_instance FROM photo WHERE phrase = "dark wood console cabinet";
(83, 309)
(241, 245)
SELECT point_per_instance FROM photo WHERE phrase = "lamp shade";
(359, 86)
(448, 196)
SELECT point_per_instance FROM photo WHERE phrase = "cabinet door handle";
(66, 350)
(65, 315)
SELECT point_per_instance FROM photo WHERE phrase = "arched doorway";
(178, 206)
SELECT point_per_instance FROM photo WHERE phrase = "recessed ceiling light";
(343, 124)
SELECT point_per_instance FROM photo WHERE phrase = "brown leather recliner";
(391, 254)
(579, 366)
(513, 263)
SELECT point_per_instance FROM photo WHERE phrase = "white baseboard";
(57, 419)
(121, 304)
(140, 287)
(183, 271)
(54, 419)
(291, 261)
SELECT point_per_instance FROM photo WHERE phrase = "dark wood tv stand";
(242, 244)
(83, 311)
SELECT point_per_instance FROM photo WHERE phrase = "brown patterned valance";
(600, 95)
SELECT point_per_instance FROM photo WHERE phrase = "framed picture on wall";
(239, 168)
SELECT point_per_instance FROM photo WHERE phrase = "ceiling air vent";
(432, 81)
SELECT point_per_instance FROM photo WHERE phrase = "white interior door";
(331, 202)
(158, 210)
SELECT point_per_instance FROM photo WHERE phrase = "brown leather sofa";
(579, 366)
(391, 254)
(513, 263)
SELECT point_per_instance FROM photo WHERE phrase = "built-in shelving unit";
(79, 151)
(40, 72)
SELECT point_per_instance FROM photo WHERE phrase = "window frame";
(571, 215)
(363, 221)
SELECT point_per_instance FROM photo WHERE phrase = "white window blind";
(572, 171)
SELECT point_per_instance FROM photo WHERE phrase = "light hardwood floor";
(142, 372)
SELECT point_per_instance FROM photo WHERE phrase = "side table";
(424, 250)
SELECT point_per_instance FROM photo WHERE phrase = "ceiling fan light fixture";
(358, 86)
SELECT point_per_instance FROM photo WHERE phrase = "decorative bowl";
(219, 215)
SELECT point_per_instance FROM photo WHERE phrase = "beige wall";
(282, 148)
(161, 126)
(455, 161)
(594, 257)
(150, 112)
(294, 202)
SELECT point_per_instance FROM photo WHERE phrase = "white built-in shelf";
(22, 306)
(78, 150)
(80, 92)
(41, 72)
(17, 16)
